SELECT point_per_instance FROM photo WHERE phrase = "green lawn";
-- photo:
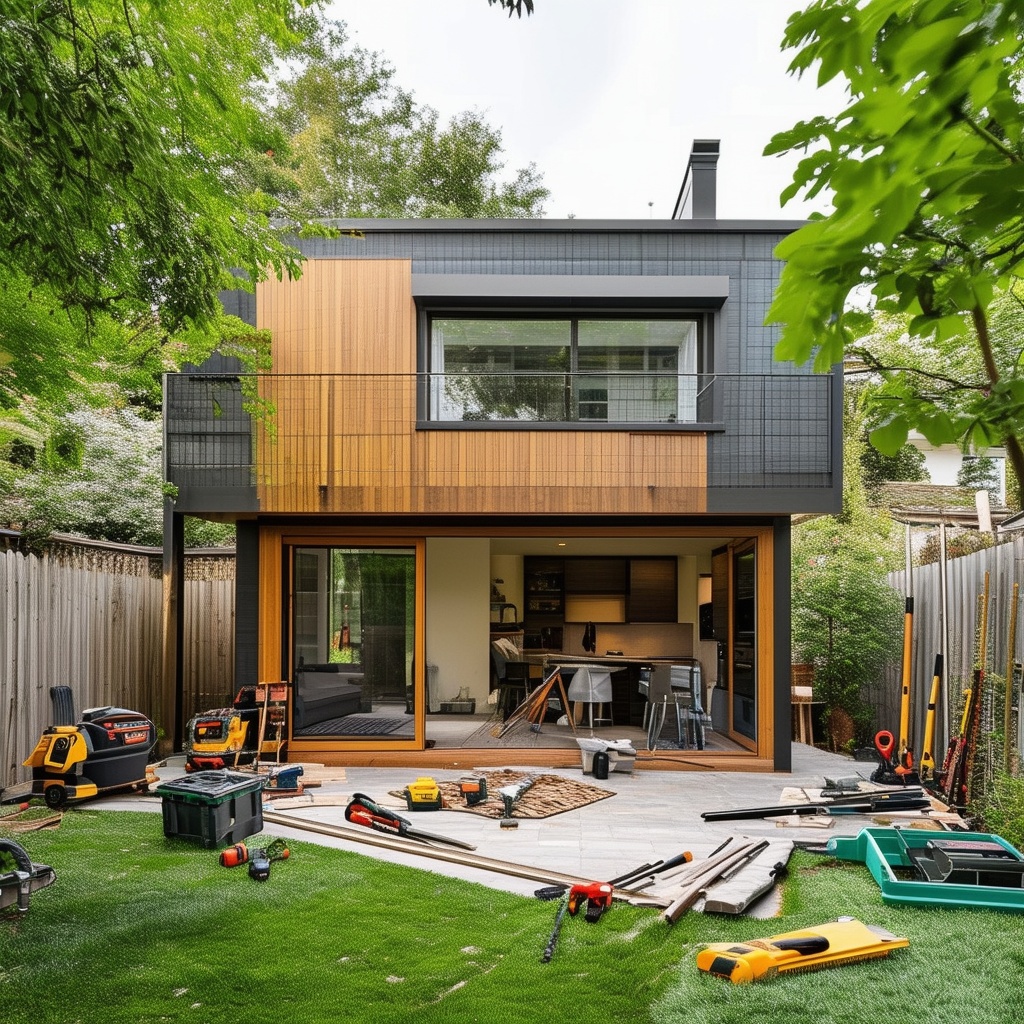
(139, 929)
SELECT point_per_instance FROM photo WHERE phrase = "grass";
(139, 929)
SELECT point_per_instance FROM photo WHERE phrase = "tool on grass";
(423, 795)
(549, 949)
(363, 811)
(598, 898)
(828, 945)
(259, 860)
(20, 876)
(106, 749)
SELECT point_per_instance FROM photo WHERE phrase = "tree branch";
(878, 366)
(984, 134)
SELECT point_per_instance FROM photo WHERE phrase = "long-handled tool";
(361, 810)
(927, 770)
(896, 759)
(644, 874)
(549, 949)
(598, 898)
(910, 799)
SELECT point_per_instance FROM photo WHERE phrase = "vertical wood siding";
(343, 436)
(98, 631)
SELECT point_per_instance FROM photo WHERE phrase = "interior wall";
(509, 569)
(457, 627)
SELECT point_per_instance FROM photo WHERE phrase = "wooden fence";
(964, 587)
(90, 616)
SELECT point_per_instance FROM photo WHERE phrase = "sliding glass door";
(353, 634)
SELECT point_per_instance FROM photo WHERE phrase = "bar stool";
(514, 688)
(802, 700)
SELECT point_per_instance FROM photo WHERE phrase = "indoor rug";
(548, 795)
(360, 725)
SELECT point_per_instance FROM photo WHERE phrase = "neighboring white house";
(943, 462)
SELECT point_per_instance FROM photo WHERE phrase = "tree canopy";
(355, 144)
(123, 145)
(925, 169)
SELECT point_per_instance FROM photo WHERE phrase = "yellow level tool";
(826, 945)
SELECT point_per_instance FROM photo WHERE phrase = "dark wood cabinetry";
(596, 575)
(648, 585)
(544, 602)
(652, 590)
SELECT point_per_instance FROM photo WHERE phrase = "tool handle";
(375, 808)
(549, 949)
(885, 744)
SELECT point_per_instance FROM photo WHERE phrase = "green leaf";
(890, 437)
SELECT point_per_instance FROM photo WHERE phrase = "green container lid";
(210, 787)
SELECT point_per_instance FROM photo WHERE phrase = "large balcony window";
(564, 369)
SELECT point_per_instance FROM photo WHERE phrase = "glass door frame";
(276, 646)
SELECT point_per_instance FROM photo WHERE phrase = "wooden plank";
(463, 857)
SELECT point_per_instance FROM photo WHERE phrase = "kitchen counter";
(564, 657)
(628, 702)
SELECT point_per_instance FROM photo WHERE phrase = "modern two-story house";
(568, 434)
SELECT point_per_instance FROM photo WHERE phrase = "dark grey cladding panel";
(550, 251)
(241, 304)
(774, 500)
(778, 440)
(247, 593)
(208, 451)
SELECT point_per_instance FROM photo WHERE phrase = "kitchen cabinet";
(720, 593)
(652, 590)
(544, 602)
(596, 576)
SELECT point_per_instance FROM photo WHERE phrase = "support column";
(782, 709)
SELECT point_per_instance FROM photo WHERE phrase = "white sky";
(606, 96)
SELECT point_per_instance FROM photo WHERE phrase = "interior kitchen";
(632, 617)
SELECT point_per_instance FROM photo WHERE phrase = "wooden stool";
(802, 699)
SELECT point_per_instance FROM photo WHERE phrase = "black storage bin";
(215, 808)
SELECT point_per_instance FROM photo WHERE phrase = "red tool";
(361, 810)
(598, 896)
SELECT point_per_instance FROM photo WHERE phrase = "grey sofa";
(326, 691)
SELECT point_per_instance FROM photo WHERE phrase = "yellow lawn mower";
(107, 749)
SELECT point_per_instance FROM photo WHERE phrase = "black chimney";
(697, 196)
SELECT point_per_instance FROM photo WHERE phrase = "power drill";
(258, 860)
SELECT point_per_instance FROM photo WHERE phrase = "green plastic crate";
(215, 808)
(885, 850)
